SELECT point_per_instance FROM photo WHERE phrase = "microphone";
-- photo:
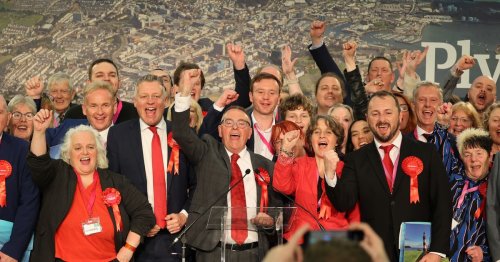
(256, 171)
(224, 194)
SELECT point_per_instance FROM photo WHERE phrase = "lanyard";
(263, 139)
(88, 199)
(118, 110)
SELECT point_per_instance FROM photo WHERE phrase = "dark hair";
(330, 74)
(294, 102)
(349, 146)
(412, 120)
(169, 77)
(380, 58)
(331, 123)
(384, 94)
(99, 61)
(262, 76)
(483, 142)
(183, 66)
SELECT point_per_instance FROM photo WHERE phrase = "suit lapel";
(376, 162)
(169, 152)
(403, 153)
(225, 157)
(136, 144)
(255, 166)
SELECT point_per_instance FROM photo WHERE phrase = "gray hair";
(3, 102)
(348, 108)
(98, 85)
(58, 78)
(150, 78)
(102, 160)
(425, 84)
(22, 100)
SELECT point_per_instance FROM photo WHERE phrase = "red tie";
(238, 204)
(388, 165)
(159, 187)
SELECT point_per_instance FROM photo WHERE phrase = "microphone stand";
(186, 229)
(292, 200)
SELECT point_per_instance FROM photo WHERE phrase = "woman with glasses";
(408, 118)
(303, 177)
(22, 109)
(463, 116)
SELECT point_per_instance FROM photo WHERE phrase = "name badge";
(91, 226)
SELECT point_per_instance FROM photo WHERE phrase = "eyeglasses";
(230, 123)
(18, 115)
(404, 108)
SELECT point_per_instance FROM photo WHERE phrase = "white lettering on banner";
(451, 58)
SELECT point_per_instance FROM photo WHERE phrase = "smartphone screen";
(312, 237)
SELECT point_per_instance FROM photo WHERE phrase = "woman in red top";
(303, 177)
(88, 213)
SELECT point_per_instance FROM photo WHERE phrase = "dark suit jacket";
(213, 169)
(363, 180)
(23, 199)
(58, 182)
(128, 112)
(125, 157)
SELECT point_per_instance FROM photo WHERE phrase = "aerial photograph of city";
(42, 37)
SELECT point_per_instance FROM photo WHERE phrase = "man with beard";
(402, 181)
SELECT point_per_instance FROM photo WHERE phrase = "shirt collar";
(162, 125)
(421, 131)
(242, 153)
(255, 121)
(396, 142)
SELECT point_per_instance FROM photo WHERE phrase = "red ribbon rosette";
(482, 191)
(413, 166)
(112, 198)
(5, 172)
(263, 179)
(173, 162)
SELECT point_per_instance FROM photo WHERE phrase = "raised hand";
(374, 85)
(465, 62)
(188, 80)
(42, 120)
(444, 114)
(317, 31)
(34, 87)
(226, 98)
(287, 64)
(415, 58)
(349, 52)
(330, 160)
(237, 55)
(289, 141)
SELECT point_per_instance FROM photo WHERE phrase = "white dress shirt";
(259, 147)
(420, 134)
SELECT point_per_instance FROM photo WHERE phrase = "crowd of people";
(114, 180)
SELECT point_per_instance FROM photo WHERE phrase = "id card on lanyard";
(91, 225)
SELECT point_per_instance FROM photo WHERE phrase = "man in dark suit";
(20, 200)
(141, 150)
(378, 177)
(219, 165)
(105, 70)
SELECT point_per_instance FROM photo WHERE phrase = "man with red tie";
(395, 179)
(218, 167)
(143, 151)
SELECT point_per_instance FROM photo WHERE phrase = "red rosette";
(413, 167)
(5, 172)
(482, 192)
(112, 198)
(263, 179)
(173, 162)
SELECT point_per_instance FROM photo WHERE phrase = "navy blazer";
(125, 157)
(23, 199)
